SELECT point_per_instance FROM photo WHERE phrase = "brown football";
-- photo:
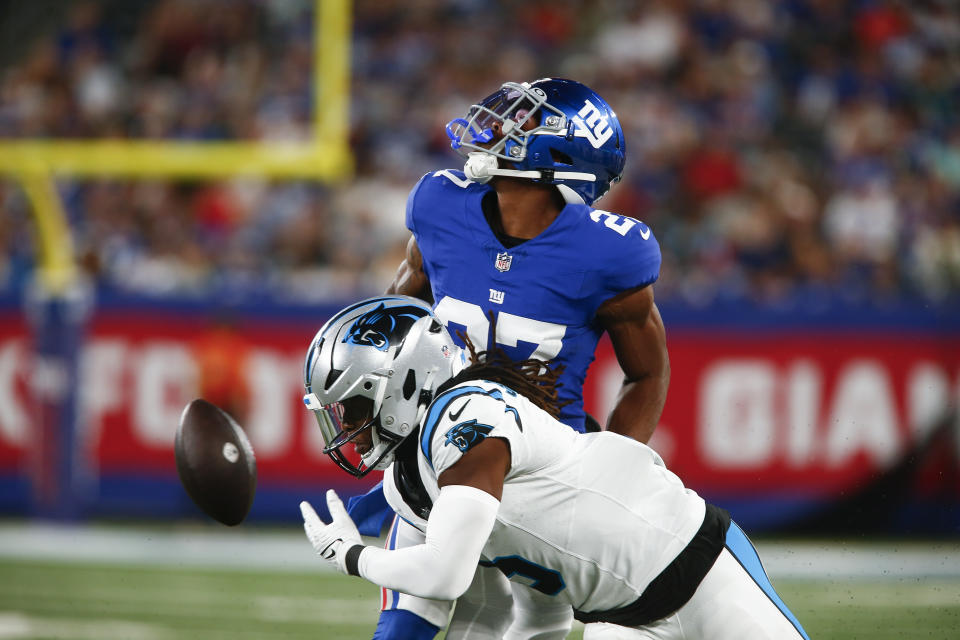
(215, 462)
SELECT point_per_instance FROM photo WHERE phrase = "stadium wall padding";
(791, 419)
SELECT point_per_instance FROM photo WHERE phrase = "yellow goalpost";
(325, 155)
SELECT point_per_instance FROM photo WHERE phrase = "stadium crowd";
(786, 150)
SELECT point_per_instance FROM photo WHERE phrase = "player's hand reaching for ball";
(333, 542)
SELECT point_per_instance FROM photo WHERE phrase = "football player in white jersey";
(587, 526)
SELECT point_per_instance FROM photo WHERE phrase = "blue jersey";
(544, 292)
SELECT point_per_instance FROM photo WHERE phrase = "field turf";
(41, 599)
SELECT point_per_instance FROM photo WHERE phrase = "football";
(215, 462)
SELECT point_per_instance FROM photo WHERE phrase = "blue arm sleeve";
(370, 512)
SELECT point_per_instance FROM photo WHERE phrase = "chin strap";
(481, 167)
(426, 396)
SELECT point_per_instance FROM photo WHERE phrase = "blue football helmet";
(552, 131)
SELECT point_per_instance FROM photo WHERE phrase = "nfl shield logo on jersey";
(503, 261)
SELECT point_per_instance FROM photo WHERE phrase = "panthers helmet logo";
(467, 434)
(381, 327)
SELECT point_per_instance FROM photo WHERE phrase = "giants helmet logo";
(592, 125)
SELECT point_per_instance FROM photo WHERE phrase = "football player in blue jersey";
(514, 238)
(515, 234)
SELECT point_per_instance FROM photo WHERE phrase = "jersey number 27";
(511, 329)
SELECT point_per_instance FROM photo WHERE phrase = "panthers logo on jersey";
(467, 434)
(379, 328)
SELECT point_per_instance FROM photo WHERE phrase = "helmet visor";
(338, 426)
(330, 420)
(509, 103)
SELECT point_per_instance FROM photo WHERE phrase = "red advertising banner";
(796, 414)
(809, 414)
(15, 407)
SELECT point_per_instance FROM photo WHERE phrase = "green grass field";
(72, 600)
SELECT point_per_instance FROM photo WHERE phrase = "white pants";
(728, 605)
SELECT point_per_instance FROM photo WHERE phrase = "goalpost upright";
(57, 304)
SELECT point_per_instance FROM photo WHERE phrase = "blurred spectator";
(222, 354)
(778, 149)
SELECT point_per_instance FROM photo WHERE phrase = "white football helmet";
(391, 350)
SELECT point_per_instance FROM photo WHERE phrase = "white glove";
(333, 541)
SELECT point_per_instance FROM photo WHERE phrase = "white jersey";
(588, 518)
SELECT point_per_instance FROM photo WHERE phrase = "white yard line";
(189, 547)
(915, 594)
(249, 548)
(873, 561)
(15, 626)
(196, 604)
(313, 610)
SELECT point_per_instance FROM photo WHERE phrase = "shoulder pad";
(447, 413)
(630, 252)
(452, 178)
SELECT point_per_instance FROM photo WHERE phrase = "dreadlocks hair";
(532, 378)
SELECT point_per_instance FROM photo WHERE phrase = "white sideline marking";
(186, 547)
(316, 610)
(197, 604)
(15, 626)
(289, 551)
(915, 594)
(874, 561)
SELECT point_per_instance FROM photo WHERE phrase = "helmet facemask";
(552, 131)
(512, 106)
(338, 430)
